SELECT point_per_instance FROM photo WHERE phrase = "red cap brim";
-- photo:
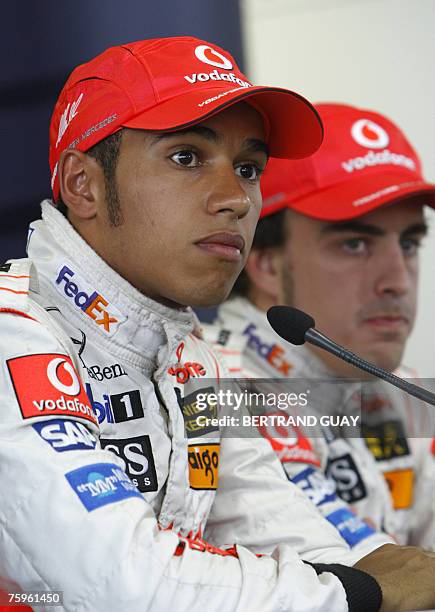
(359, 196)
(294, 126)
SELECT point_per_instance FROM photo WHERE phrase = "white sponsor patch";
(376, 159)
(369, 134)
(208, 55)
(67, 116)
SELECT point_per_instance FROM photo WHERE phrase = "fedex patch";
(100, 484)
(64, 435)
(48, 385)
(105, 316)
(351, 527)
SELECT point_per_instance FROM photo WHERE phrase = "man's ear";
(81, 183)
(264, 271)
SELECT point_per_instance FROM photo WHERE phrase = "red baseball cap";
(365, 161)
(166, 84)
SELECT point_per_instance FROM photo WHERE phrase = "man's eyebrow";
(199, 130)
(250, 144)
(358, 227)
(421, 228)
(353, 226)
(255, 144)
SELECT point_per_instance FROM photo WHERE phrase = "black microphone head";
(290, 323)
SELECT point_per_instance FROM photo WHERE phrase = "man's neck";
(260, 299)
(337, 367)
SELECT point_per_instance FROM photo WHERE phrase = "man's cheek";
(249, 227)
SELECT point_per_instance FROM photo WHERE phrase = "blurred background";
(372, 53)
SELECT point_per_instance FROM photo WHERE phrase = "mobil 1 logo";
(138, 458)
(116, 408)
(350, 485)
(126, 406)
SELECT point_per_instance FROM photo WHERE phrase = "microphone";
(297, 327)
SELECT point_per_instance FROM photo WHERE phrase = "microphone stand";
(318, 339)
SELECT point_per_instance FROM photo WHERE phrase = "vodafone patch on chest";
(47, 385)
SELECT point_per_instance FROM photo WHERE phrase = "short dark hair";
(270, 233)
(106, 152)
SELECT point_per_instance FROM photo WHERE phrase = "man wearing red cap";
(156, 149)
(339, 239)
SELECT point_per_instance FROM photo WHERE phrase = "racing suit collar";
(102, 303)
(240, 315)
(246, 312)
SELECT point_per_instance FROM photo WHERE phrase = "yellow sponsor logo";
(401, 485)
(203, 466)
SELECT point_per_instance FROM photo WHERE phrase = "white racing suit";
(104, 496)
(390, 488)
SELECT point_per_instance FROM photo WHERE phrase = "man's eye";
(185, 158)
(251, 172)
(355, 245)
(410, 246)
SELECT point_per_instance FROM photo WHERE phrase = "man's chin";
(385, 356)
(209, 301)
(203, 297)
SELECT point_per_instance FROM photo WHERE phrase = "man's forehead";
(405, 208)
(240, 120)
(244, 114)
(398, 216)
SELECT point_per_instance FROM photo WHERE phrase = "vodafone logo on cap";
(210, 56)
(369, 134)
(73, 388)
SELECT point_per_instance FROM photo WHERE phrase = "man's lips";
(225, 245)
(387, 321)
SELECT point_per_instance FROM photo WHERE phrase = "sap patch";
(65, 435)
(100, 484)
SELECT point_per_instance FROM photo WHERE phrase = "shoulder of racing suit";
(243, 337)
(399, 430)
(385, 475)
(324, 468)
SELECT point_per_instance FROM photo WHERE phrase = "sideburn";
(287, 279)
(288, 285)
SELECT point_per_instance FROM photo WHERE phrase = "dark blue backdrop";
(41, 42)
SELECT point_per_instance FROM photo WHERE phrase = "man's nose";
(393, 275)
(228, 195)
